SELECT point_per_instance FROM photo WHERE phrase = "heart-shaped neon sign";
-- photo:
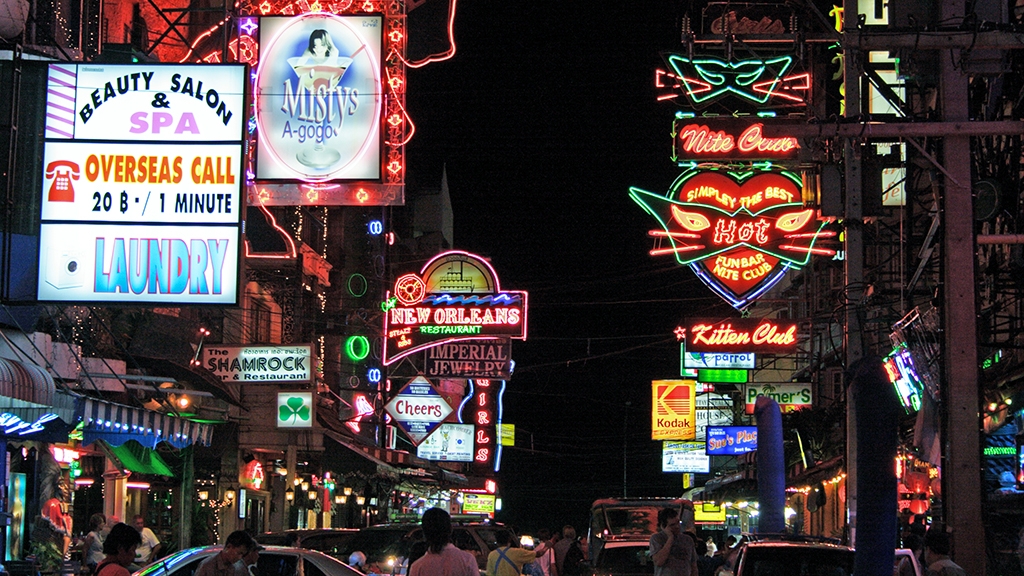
(739, 236)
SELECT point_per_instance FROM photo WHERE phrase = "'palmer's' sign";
(741, 335)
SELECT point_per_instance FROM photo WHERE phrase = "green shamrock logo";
(294, 409)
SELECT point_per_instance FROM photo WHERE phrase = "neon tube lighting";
(676, 250)
(672, 234)
(809, 250)
(442, 56)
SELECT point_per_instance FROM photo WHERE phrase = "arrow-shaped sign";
(418, 409)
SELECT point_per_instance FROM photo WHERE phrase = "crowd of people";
(93, 551)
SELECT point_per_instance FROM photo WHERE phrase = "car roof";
(797, 544)
(626, 544)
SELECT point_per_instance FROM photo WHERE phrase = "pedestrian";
(915, 544)
(92, 546)
(442, 558)
(150, 548)
(706, 565)
(246, 566)
(711, 546)
(546, 561)
(238, 544)
(569, 555)
(508, 560)
(119, 547)
(673, 553)
(936, 554)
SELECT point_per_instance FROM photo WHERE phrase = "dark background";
(543, 119)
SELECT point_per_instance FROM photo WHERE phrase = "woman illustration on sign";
(320, 70)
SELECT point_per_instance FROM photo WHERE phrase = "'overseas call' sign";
(142, 184)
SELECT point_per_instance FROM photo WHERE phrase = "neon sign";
(742, 335)
(694, 140)
(759, 81)
(455, 297)
(740, 233)
(11, 424)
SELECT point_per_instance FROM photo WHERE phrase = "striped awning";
(116, 424)
(26, 382)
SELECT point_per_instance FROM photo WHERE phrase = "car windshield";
(797, 561)
(380, 543)
(625, 560)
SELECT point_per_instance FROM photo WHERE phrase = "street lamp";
(289, 494)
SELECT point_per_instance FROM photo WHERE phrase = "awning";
(137, 458)
(400, 463)
(116, 424)
(26, 382)
(30, 402)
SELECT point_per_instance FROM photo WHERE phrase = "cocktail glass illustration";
(319, 75)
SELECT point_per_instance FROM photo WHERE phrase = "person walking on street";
(238, 544)
(562, 551)
(546, 561)
(936, 553)
(119, 547)
(442, 558)
(506, 560)
(672, 551)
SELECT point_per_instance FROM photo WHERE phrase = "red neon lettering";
(481, 399)
(483, 455)
(483, 383)
(768, 333)
(752, 141)
(483, 418)
(725, 232)
(701, 140)
(482, 437)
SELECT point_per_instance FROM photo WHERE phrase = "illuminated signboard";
(449, 443)
(765, 335)
(899, 367)
(684, 457)
(731, 440)
(754, 81)
(712, 410)
(294, 409)
(723, 376)
(791, 397)
(673, 415)
(418, 409)
(454, 298)
(696, 140)
(739, 232)
(259, 363)
(142, 184)
(708, 513)
(319, 97)
(742, 360)
(485, 412)
(490, 359)
(478, 503)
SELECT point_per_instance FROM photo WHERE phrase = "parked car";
(387, 546)
(785, 555)
(623, 558)
(273, 561)
(905, 555)
(330, 541)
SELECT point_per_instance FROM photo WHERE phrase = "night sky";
(543, 119)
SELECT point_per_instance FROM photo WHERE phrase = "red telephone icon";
(62, 172)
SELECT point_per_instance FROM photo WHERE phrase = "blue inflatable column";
(877, 414)
(771, 466)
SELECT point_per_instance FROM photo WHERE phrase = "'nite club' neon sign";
(696, 140)
(740, 233)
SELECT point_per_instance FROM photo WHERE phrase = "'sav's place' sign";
(739, 232)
